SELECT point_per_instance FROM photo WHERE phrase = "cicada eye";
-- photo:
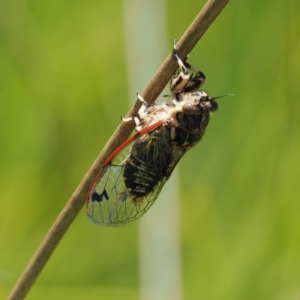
(214, 105)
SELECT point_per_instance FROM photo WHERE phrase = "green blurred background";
(63, 86)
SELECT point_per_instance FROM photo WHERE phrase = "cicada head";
(198, 103)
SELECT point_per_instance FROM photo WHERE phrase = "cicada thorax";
(186, 139)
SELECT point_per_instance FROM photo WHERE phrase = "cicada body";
(134, 174)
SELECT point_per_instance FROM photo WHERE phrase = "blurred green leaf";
(62, 90)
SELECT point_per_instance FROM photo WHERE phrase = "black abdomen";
(147, 164)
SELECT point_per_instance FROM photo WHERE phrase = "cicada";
(134, 174)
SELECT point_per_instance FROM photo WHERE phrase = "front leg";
(182, 81)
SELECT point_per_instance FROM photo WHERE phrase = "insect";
(134, 174)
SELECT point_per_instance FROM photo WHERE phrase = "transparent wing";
(131, 181)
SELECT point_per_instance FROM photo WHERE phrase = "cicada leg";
(141, 113)
(182, 81)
